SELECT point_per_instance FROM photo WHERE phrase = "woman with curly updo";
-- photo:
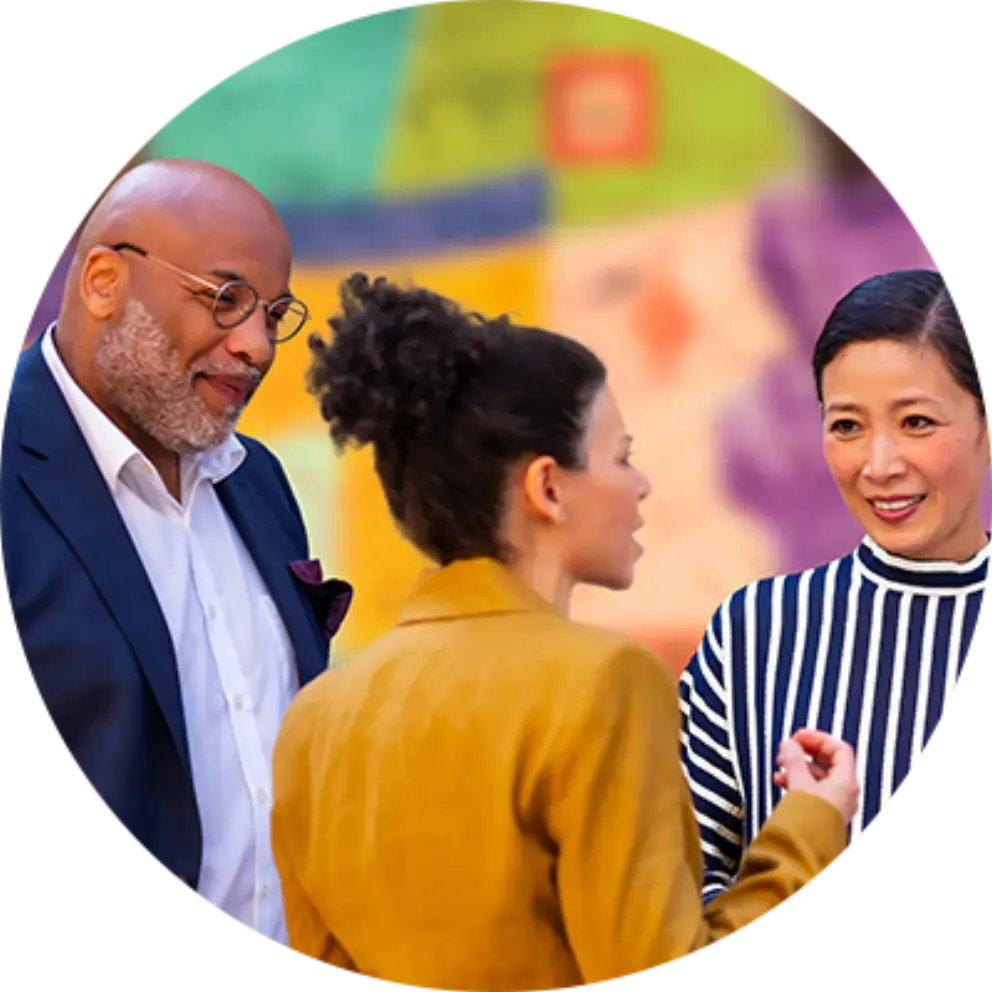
(490, 795)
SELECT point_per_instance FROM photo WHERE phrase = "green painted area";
(452, 93)
(471, 108)
(308, 122)
(719, 128)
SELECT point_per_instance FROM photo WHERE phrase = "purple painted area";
(816, 244)
(770, 446)
(51, 298)
(812, 246)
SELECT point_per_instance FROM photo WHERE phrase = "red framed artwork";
(599, 110)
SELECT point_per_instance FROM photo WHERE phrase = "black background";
(912, 908)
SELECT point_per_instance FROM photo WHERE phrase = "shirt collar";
(472, 587)
(111, 448)
(221, 461)
(924, 575)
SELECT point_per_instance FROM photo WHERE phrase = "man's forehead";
(225, 246)
(203, 214)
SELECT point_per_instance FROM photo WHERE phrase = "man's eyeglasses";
(235, 301)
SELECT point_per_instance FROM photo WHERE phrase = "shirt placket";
(241, 713)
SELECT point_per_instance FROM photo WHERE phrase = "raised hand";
(814, 762)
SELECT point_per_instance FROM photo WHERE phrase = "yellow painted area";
(369, 551)
(282, 403)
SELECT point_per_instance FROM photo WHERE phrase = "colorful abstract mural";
(598, 176)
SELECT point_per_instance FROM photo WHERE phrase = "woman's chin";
(624, 578)
(615, 575)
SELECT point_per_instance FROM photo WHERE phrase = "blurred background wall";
(597, 176)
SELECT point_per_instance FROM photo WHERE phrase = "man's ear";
(102, 282)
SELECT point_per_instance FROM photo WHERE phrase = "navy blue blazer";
(92, 629)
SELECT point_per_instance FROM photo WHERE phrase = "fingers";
(818, 772)
(822, 747)
(815, 762)
(795, 771)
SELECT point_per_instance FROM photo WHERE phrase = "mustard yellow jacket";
(490, 797)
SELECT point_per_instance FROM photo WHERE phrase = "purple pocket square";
(329, 598)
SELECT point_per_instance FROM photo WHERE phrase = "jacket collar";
(473, 587)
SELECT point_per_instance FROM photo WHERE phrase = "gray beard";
(140, 367)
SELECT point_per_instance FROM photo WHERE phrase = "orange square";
(599, 110)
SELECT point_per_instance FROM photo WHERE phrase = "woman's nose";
(884, 459)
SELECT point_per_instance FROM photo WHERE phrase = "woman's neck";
(547, 578)
(959, 547)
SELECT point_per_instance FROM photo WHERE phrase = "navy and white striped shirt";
(866, 647)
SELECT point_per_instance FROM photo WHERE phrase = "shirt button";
(239, 702)
(212, 612)
(263, 892)
(262, 796)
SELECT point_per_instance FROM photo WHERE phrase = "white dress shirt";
(237, 670)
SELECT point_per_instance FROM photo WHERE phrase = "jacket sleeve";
(289, 823)
(629, 862)
(707, 759)
(305, 929)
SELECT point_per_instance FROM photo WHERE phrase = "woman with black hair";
(490, 795)
(866, 647)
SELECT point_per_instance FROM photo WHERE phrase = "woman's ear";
(543, 489)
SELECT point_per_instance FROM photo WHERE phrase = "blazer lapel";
(68, 485)
(253, 520)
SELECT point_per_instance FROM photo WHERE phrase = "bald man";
(155, 558)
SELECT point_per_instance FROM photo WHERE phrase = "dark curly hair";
(911, 305)
(451, 402)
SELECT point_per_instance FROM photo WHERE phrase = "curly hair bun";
(397, 362)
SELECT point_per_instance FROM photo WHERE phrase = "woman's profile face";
(907, 447)
(603, 500)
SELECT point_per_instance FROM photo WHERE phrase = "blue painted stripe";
(514, 207)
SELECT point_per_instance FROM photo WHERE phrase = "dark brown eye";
(843, 427)
(237, 296)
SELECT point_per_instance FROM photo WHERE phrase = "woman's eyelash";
(918, 421)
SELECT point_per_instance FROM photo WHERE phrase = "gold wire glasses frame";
(235, 301)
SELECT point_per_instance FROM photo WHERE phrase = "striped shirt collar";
(925, 575)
